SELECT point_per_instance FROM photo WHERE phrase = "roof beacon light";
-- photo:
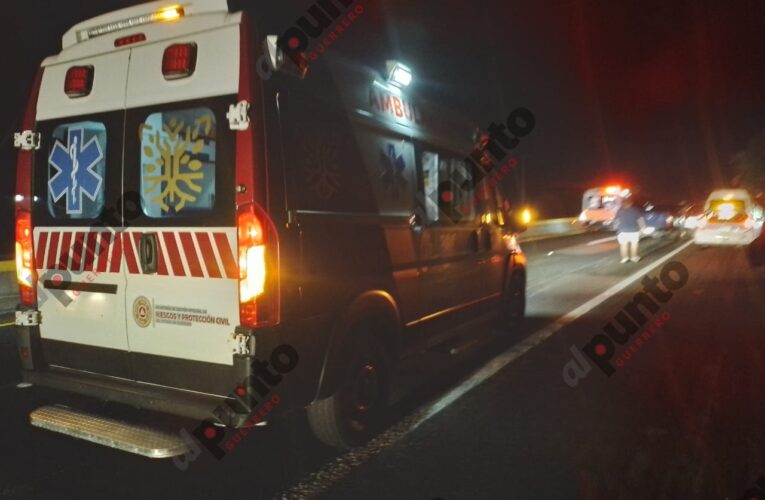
(399, 75)
(167, 14)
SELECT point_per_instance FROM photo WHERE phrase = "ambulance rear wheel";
(356, 411)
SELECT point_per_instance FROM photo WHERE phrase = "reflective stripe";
(209, 256)
(226, 257)
(190, 251)
(173, 254)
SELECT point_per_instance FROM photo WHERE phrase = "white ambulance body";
(180, 216)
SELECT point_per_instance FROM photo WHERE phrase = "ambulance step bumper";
(108, 432)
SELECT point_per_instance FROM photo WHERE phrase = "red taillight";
(179, 60)
(129, 40)
(25, 266)
(79, 81)
(25, 269)
(252, 266)
(258, 265)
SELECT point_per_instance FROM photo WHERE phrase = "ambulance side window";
(77, 170)
(463, 198)
(430, 184)
(436, 169)
(178, 156)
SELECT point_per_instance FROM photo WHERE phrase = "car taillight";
(179, 61)
(258, 255)
(252, 257)
(25, 267)
(79, 81)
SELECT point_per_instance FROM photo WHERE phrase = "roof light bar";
(167, 14)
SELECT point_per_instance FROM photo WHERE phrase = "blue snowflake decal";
(393, 170)
(75, 175)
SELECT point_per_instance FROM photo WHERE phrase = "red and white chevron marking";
(199, 254)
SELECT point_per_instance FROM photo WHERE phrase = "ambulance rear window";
(76, 170)
(178, 163)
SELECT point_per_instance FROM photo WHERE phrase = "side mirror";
(294, 64)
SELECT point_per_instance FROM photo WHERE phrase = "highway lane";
(503, 433)
(683, 418)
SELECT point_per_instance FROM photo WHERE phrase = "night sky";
(659, 93)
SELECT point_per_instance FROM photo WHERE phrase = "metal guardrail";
(552, 228)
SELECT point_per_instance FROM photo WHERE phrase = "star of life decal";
(75, 176)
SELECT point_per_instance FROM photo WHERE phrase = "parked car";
(688, 218)
(660, 220)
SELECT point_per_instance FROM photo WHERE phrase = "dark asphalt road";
(684, 418)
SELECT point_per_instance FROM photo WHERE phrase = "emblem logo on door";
(142, 313)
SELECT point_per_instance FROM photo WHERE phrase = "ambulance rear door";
(77, 214)
(182, 275)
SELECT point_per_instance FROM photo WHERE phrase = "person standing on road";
(629, 225)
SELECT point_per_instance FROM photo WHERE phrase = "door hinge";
(242, 344)
(27, 318)
(239, 116)
(26, 140)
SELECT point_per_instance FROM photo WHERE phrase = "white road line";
(335, 471)
(602, 240)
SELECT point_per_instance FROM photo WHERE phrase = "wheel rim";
(366, 388)
(364, 395)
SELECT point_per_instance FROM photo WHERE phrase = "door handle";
(148, 249)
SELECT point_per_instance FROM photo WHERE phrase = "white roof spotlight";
(399, 74)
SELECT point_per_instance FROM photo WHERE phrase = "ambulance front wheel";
(357, 409)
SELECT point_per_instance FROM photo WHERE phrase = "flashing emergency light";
(172, 13)
(613, 190)
(399, 74)
(726, 211)
(78, 81)
(179, 61)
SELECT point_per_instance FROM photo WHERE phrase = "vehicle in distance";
(194, 216)
(659, 220)
(600, 205)
(688, 217)
(731, 218)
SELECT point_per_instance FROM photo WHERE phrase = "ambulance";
(600, 205)
(189, 199)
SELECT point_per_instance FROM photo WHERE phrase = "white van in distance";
(731, 219)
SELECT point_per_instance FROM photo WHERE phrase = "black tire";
(357, 409)
(513, 303)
